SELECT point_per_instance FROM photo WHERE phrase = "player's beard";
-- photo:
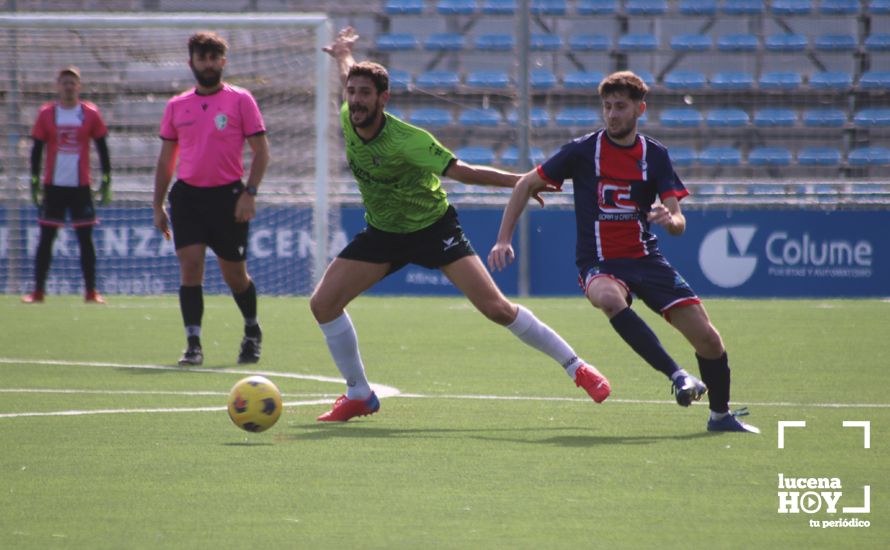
(209, 78)
(621, 132)
(369, 118)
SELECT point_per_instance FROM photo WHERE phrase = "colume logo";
(723, 255)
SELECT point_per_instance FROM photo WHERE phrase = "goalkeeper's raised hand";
(105, 190)
(35, 190)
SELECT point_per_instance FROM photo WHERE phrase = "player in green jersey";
(409, 220)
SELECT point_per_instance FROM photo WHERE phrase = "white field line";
(381, 390)
(186, 393)
(645, 401)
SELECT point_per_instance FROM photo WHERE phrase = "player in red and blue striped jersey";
(623, 183)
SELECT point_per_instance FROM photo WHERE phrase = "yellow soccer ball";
(255, 404)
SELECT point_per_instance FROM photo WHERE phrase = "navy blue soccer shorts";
(651, 278)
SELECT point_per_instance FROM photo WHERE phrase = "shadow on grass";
(358, 431)
(247, 444)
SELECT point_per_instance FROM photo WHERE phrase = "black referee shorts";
(206, 215)
(432, 247)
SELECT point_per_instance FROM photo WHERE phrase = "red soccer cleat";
(93, 297)
(345, 408)
(35, 297)
(593, 382)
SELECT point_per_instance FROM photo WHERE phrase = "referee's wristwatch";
(252, 191)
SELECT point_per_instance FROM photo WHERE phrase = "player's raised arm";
(529, 186)
(341, 50)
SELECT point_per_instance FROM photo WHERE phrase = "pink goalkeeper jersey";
(67, 134)
(211, 131)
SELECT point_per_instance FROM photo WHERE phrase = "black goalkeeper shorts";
(206, 215)
(432, 247)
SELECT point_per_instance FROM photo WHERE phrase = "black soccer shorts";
(206, 215)
(432, 247)
(58, 200)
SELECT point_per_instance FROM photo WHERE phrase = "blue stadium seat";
(544, 42)
(590, 42)
(682, 156)
(396, 112)
(403, 7)
(691, 42)
(769, 156)
(831, 80)
(792, 7)
(494, 42)
(480, 117)
(646, 7)
(835, 43)
(488, 79)
(548, 7)
(742, 7)
(399, 80)
(510, 156)
(737, 43)
(698, 7)
(824, 118)
(498, 7)
(475, 154)
(775, 117)
(645, 75)
(871, 156)
(542, 79)
(879, 42)
(872, 117)
(726, 118)
(539, 117)
(397, 42)
(819, 156)
(685, 80)
(680, 117)
(596, 7)
(430, 116)
(720, 156)
(839, 7)
(577, 117)
(780, 80)
(456, 7)
(875, 80)
(786, 42)
(879, 7)
(638, 42)
(732, 80)
(439, 80)
(445, 41)
(582, 80)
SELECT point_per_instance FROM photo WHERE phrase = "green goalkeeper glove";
(105, 190)
(35, 190)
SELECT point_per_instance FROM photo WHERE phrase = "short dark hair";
(375, 71)
(624, 81)
(205, 42)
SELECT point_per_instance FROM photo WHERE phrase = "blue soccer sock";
(642, 340)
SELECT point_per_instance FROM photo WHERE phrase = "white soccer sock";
(536, 334)
(343, 344)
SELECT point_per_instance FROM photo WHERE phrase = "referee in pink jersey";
(205, 129)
